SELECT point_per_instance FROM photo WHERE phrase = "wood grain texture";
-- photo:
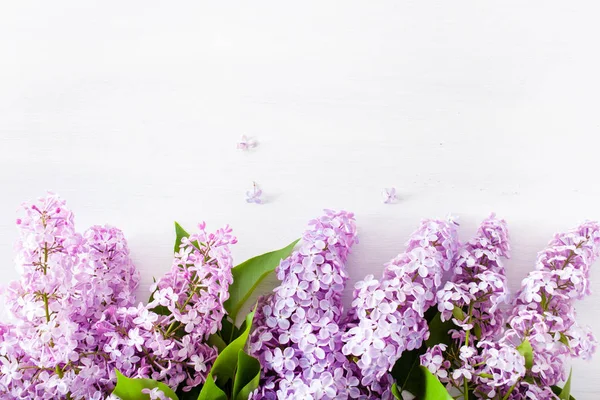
(131, 111)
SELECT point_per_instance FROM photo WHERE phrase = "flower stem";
(45, 295)
(45, 298)
(465, 383)
(510, 390)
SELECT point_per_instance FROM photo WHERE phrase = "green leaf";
(565, 393)
(247, 376)
(438, 331)
(216, 341)
(434, 390)
(526, 351)
(557, 390)
(191, 395)
(210, 391)
(249, 274)
(131, 388)
(224, 367)
(458, 313)
(180, 233)
(564, 340)
(407, 374)
(396, 392)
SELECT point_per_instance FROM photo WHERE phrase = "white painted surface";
(131, 111)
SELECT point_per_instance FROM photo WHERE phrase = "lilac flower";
(74, 320)
(472, 299)
(254, 195)
(68, 280)
(543, 311)
(434, 361)
(246, 143)
(155, 394)
(298, 337)
(172, 348)
(389, 314)
(389, 195)
(479, 284)
(501, 366)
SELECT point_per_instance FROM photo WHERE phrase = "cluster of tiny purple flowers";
(51, 348)
(544, 315)
(165, 340)
(487, 356)
(73, 317)
(473, 300)
(298, 333)
(389, 314)
(299, 338)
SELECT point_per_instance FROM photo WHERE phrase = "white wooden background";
(132, 110)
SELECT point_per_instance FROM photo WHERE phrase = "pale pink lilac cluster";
(298, 336)
(486, 354)
(478, 283)
(52, 349)
(165, 340)
(543, 311)
(73, 317)
(473, 300)
(388, 315)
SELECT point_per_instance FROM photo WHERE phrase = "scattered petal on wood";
(389, 195)
(246, 143)
(254, 195)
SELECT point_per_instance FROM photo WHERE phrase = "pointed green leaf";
(396, 392)
(557, 391)
(565, 393)
(224, 367)
(210, 391)
(526, 351)
(249, 274)
(216, 341)
(131, 388)
(438, 331)
(407, 374)
(458, 313)
(434, 390)
(247, 376)
(191, 395)
(180, 233)
(564, 340)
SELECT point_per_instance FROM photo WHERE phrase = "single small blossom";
(389, 195)
(246, 143)
(155, 394)
(254, 195)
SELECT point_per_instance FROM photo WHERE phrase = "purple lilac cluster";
(298, 336)
(473, 299)
(485, 357)
(165, 340)
(389, 314)
(73, 316)
(51, 349)
(544, 315)
(478, 284)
